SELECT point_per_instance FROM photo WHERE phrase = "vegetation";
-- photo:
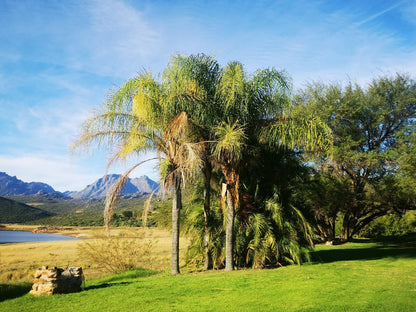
(198, 116)
(69, 212)
(271, 173)
(357, 276)
(371, 166)
(118, 253)
(14, 212)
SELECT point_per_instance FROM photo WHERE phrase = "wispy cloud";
(118, 38)
(378, 14)
(106, 37)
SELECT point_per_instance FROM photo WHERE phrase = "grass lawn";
(358, 276)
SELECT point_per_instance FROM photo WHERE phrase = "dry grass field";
(19, 261)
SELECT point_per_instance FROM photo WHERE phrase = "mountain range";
(13, 186)
(136, 187)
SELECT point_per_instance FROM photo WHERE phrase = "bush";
(391, 225)
(120, 253)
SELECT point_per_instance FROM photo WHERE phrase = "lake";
(29, 237)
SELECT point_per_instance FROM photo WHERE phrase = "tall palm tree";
(146, 114)
(204, 71)
(257, 108)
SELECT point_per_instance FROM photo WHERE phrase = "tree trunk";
(229, 261)
(176, 207)
(207, 216)
(347, 225)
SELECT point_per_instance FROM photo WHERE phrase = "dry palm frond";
(147, 207)
(115, 192)
(177, 127)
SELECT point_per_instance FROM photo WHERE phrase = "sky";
(59, 59)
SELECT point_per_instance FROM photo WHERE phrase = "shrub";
(116, 254)
(391, 225)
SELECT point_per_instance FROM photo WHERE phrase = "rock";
(49, 281)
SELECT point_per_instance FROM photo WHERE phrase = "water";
(29, 237)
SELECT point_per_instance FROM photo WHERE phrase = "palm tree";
(145, 114)
(257, 109)
(204, 71)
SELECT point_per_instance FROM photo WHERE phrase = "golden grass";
(19, 261)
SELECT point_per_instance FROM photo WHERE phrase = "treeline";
(270, 170)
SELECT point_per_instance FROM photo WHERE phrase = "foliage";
(181, 112)
(269, 236)
(370, 127)
(391, 225)
(118, 253)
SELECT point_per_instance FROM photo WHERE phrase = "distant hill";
(144, 184)
(10, 186)
(137, 187)
(14, 212)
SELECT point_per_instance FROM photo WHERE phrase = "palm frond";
(232, 85)
(310, 134)
(114, 192)
(147, 207)
(230, 142)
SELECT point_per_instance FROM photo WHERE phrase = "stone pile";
(49, 281)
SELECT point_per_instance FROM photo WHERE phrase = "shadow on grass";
(121, 279)
(11, 291)
(106, 285)
(386, 247)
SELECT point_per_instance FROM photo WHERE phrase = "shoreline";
(76, 232)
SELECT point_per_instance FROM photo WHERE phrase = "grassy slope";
(352, 277)
(15, 212)
(69, 212)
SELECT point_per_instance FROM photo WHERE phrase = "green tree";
(369, 126)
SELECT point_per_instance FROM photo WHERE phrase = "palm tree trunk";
(176, 207)
(229, 261)
(207, 216)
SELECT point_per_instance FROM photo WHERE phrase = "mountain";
(14, 212)
(137, 186)
(13, 186)
(144, 184)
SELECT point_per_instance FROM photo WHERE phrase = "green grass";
(359, 276)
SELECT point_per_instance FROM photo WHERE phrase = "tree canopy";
(371, 160)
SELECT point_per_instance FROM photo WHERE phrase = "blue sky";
(58, 59)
